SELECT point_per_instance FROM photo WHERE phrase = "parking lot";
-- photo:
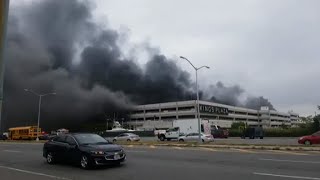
(25, 161)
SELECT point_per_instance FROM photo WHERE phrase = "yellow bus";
(23, 133)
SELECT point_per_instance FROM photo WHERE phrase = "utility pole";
(4, 9)
(106, 116)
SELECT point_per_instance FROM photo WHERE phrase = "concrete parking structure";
(161, 115)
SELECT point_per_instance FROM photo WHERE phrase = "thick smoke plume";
(56, 46)
(231, 95)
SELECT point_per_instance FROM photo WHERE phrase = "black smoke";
(257, 102)
(234, 96)
(226, 95)
(55, 46)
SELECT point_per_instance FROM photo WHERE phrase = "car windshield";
(316, 134)
(90, 139)
(131, 134)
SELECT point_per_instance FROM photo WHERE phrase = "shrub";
(276, 132)
(235, 133)
(290, 132)
(238, 125)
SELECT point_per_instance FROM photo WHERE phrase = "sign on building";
(213, 109)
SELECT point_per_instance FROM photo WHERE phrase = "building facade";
(162, 114)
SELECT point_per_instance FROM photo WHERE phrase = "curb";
(253, 147)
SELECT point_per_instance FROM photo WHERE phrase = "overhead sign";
(213, 109)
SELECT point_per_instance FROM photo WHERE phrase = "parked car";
(253, 132)
(126, 137)
(195, 137)
(3, 137)
(311, 139)
(219, 132)
(44, 137)
(84, 149)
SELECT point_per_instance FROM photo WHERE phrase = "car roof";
(72, 134)
(80, 133)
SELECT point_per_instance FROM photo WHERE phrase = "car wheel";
(128, 140)
(114, 140)
(162, 138)
(85, 162)
(181, 140)
(50, 158)
(307, 143)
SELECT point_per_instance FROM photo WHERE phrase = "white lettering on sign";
(213, 109)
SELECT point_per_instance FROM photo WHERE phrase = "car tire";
(85, 162)
(181, 140)
(114, 140)
(261, 137)
(162, 138)
(50, 158)
(129, 140)
(308, 143)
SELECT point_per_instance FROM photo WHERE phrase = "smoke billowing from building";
(56, 46)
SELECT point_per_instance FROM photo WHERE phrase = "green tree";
(308, 119)
(284, 126)
(238, 125)
(316, 123)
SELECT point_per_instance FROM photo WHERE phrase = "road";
(24, 161)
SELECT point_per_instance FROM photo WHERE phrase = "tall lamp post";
(197, 89)
(40, 98)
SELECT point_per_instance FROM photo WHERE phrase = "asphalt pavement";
(25, 161)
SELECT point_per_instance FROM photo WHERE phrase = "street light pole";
(197, 89)
(39, 107)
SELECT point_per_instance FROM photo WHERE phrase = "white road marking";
(34, 173)
(286, 176)
(131, 151)
(288, 152)
(293, 161)
(209, 149)
(13, 151)
(244, 150)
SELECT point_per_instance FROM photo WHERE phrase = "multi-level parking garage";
(162, 114)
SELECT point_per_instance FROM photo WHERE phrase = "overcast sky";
(268, 47)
